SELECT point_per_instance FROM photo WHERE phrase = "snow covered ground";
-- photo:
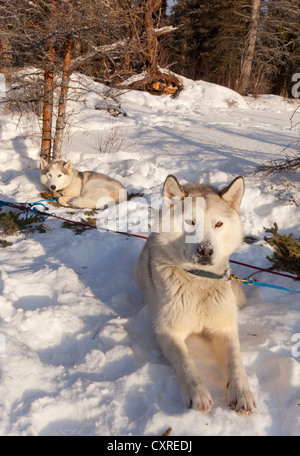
(78, 356)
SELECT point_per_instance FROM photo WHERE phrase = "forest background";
(250, 46)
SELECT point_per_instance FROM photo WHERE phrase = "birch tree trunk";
(48, 102)
(62, 102)
(250, 48)
(5, 53)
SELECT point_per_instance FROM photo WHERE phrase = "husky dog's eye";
(190, 222)
(50, 175)
(59, 175)
(218, 224)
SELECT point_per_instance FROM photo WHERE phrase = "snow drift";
(78, 356)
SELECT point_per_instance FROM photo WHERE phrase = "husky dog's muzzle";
(203, 254)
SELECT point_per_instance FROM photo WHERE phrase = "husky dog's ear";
(68, 165)
(172, 188)
(233, 194)
(43, 163)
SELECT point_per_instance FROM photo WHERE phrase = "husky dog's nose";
(53, 187)
(204, 253)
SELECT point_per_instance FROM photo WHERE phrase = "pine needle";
(286, 256)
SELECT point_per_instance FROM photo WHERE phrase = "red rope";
(94, 226)
(266, 270)
(25, 208)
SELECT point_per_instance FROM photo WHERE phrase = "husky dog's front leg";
(227, 347)
(194, 392)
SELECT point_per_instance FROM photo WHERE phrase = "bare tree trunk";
(133, 36)
(62, 103)
(48, 103)
(250, 48)
(155, 80)
(151, 38)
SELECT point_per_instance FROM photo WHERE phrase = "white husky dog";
(79, 189)
(188, 289)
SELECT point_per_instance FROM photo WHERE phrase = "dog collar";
(206, 274)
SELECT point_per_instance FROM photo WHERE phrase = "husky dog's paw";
(55, 194)
(64, 201)
(242, 401)
(200, 399)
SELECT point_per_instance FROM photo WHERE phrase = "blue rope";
(39, 203)
(248, 281)
(4, 203)
(31, 207)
